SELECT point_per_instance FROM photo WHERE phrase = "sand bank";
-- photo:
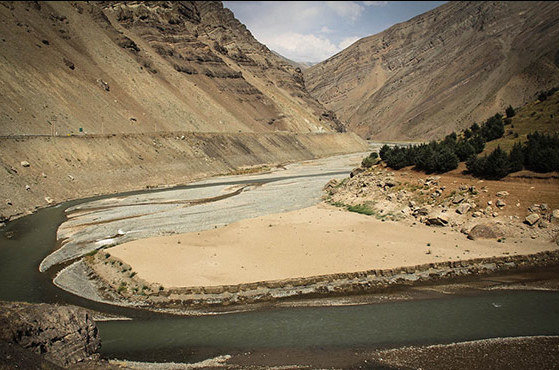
(317, 240)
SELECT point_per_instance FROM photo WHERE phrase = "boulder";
(500, 203)
(437, 219)
(477, 214)
(25, 164)
(502, 194)
(532, 218)
(555, 214)
(486, 231)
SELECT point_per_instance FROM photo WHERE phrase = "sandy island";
(318, 240)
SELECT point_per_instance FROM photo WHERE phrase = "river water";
(153, 337)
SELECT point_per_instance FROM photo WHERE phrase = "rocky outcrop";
(63, 335)
(442, 70)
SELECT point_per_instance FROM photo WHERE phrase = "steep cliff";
(442, 70)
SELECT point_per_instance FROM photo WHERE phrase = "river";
(25, 242)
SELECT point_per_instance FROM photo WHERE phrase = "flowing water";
(153, 337)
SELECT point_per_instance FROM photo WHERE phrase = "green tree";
(516, 157)
(510, 111)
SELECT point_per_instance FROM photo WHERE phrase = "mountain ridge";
(441, 70)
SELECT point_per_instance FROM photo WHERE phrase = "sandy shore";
(317, 240)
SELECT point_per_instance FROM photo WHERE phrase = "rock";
(555, 214)
(502, 194)
(473, 190)
(531, 219)
(544, 207)
(458, 199)
(423, 211)
(25, 164)
(489, 203)
(495, 214)
(412, 204)
(463, 208)
(43, 175)
(486, 231)
(63, 335)
(500, 203)
(103, 85)
(71, 177)
(48, 200)
(477, 214)
(330, 184)
(437, 219)
(27, 187)
(534, 208)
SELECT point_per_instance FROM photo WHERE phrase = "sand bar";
(317, 240)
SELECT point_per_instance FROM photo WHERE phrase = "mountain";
(442, 70)
(111, 96)
(301, 65)
(123, 67)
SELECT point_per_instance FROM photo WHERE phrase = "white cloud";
(375, 3)
(325, 29)
(347, 42)
(347, 9)
(302, 47)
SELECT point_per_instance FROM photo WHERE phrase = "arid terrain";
(115, 96)
(441, 70)
(206, 203)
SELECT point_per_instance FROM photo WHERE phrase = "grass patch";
(364, 209)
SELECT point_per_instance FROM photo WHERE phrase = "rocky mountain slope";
(442, 70)
(120, 67)
(109, 96)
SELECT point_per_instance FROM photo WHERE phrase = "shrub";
(444, 160)
(510, 112)
(541, 153)
(494, 166)
(371, 160)
(477, 143)
(493, 128)
(382, 152)
(464, 150)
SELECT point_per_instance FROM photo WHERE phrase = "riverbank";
(320, 251)
(43, 171)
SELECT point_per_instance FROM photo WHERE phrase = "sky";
(312, 31)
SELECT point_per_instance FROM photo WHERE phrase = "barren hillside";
(442, 70)
(115, 67)
(104, 97)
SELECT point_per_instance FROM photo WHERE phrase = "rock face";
(172, 66)
(442, 70)
(62, 335)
